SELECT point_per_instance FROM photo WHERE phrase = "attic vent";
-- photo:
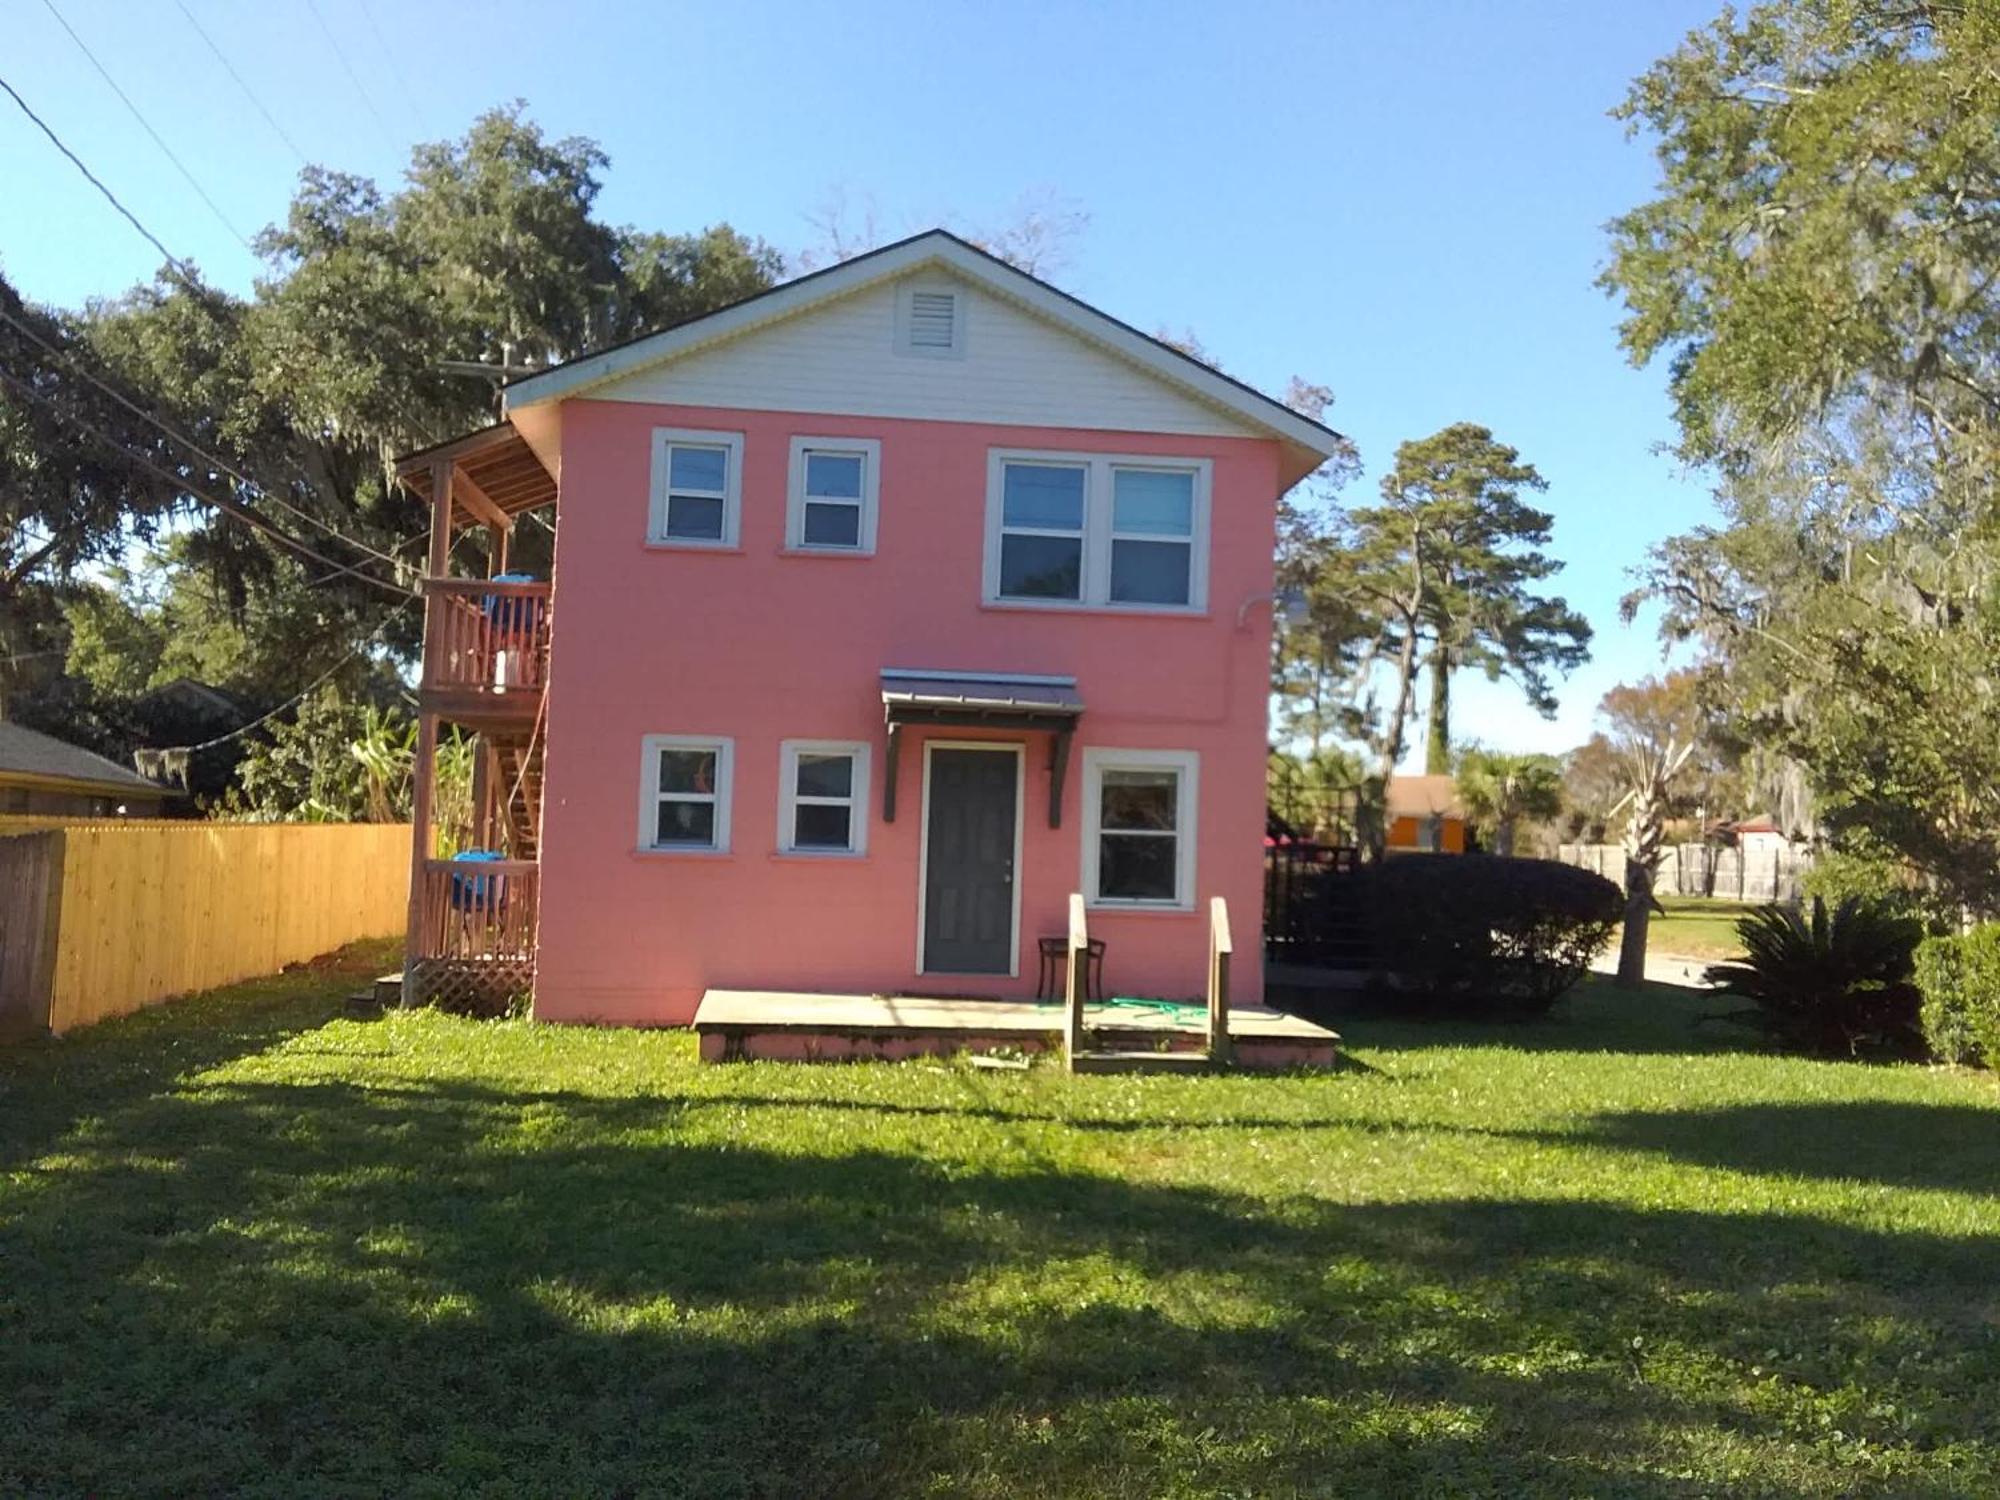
(930, 324)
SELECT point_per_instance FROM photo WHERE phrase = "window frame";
(789, 800)
(1098, 494)
(1187, 802)
(650, 795)
(665, 439)
(869, 451)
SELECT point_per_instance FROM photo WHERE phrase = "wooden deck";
(784, 1026)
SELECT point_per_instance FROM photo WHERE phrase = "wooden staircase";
(1083, 1057)
(514, 779)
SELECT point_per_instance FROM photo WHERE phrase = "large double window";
(1138, 834)
(1087, 530)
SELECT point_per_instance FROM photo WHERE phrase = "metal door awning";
(980, 700)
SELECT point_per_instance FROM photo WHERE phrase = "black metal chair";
(1050, 983)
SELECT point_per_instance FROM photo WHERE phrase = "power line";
(263, 491)
(395, 68)
(230, 508)
(146, 126)
(180, 266)
(304, 692)
(248, 92)
(352, 76)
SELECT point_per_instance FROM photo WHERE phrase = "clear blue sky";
(1404, 201)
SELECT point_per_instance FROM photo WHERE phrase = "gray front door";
(969, 862)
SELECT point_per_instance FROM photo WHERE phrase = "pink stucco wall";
(764, 646)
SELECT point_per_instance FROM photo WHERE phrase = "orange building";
(1425, 816)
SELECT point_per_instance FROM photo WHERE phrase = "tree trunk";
(1638, 915)
(1503, 839)
(1437, 742)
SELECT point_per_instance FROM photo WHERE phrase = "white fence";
(1774, 874)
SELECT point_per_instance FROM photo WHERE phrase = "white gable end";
(854, 356)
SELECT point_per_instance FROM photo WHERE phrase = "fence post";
(31, 877)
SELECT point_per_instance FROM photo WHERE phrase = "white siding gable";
(842, 358)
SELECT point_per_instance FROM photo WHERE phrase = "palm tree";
(1499, 790)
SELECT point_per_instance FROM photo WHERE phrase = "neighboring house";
(41, 776)
(1757, 837)
(1424, 813)
(890, 607)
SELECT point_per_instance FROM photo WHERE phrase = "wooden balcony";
(486, 650)
(477, 909)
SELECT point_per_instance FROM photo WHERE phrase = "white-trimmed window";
(685, 793)
(1097, 531)
(1139, 827)
(823, 797)
(832, 494)
(697, 488)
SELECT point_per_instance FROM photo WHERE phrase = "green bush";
(1838, 874)
(1837, 983)
(1477, 935)
(1959, 976)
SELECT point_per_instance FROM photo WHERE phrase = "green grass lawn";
(248, 1246)
(1695, 927)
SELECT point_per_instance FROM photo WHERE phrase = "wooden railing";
(1075, 979)
(1220, 947)
(487, 637)
(478, 908)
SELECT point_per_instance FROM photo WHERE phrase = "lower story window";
(1139, 816)
(685, 799)
(823, 797)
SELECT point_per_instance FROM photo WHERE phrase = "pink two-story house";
(889, 608)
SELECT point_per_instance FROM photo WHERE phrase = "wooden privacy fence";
(1727, 874)
(100, 919)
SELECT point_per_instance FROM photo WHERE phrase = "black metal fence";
(1309, 916)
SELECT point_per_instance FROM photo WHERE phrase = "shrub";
(1477, 935)
(1959, 977)
(1837, 984)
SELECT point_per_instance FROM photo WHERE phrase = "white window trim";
(649, 790)
(961, 309)
(732, 490)
(789, 799)
(870, 451)
(1096, 583)
(1098, 760)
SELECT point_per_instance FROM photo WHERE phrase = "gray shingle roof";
(26, 752)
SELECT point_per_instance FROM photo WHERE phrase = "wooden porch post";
(1220, 947)
(423, 770)
(1075, 975)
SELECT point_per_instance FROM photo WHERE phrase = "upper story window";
(685, 793)
(930, 320)
(1087, 531)
(697, 488)
(831, 496)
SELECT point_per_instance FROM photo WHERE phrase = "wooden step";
(1140, 1062)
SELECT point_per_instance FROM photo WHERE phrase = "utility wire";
(395, 68)
(181, 267)
(231, 508)
(262, 491)
(352, 76)
(303, 693)
(248, 92)
(146, 125)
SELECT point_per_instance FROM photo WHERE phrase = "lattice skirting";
(471, 986)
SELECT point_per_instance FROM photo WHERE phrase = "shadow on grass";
(47, 1084)
(323, 1288)
(1948, 1146)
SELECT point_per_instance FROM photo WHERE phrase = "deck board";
(801, 1025)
